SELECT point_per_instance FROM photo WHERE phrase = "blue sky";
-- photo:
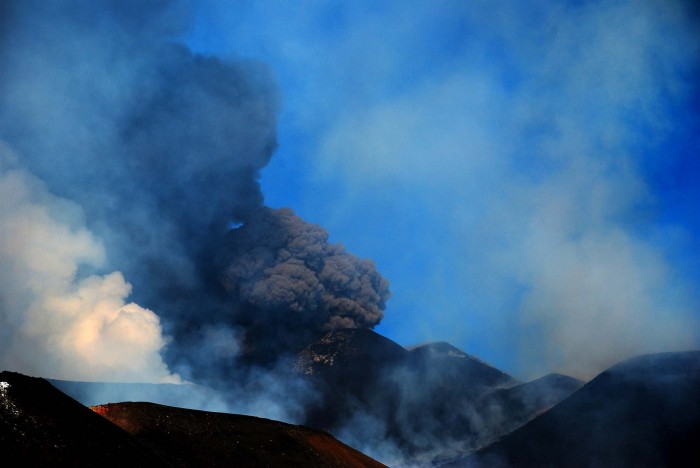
(525, 174)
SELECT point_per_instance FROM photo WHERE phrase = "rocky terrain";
(641, 412)
(430, 402)
(41, 426)
(425, 402)
(200, 438)
(432, 405)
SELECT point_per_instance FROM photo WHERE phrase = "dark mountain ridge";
(432, 400)
(642, 412)
(422, 402)
(41, 426)
(201, 438)
(507, 409)
(433, 405)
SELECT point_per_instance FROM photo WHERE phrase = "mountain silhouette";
(642, 412)
(41, 426)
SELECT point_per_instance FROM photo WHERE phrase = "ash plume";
(159, 146)
(291, 284)
(161, 149)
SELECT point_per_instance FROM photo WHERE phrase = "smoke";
(161, 149)
(52, 322)
(292, 284)
(524, 145)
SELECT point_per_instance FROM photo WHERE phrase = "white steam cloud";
(55, 321)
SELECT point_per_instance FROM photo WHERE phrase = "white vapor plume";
(54, 321)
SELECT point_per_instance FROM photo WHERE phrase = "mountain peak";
(345, 346)
(440, 348)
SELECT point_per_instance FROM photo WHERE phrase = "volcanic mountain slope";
(642, 412)
(506, 409)
(345, 348)
(512, 407)
(432, 401)
(200, 438)
(40, 426)
(421, 401)
(443, 361)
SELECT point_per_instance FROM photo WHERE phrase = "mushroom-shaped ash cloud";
(291, 284)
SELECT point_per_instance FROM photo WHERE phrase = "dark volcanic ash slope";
(506, 409)
(40, 426)
(512, 407)
(642, 412)
(200, 438)
(419, 402)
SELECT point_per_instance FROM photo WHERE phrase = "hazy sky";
(525, 174)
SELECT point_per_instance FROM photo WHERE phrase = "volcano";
(41, 426)
(641, 412)
(425, 402)
(428, 402)
(200, 438)
(433, 405)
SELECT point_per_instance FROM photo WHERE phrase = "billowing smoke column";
(161, 149)
(292, 284)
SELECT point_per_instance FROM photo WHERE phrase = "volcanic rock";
(421, 402)
(200, 438)
(642, 412)
(40, 426)
(342, 350)
(517, 405)
(506, 409)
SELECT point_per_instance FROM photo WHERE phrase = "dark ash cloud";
(161, 149)
(291, 284)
